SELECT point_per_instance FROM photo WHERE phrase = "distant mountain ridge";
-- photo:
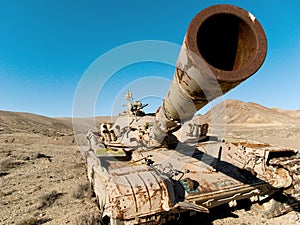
(231, 111)
(11, 122)
(237, 112)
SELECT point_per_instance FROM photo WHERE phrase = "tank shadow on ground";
(219, 212)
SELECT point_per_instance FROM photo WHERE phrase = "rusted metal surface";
(224, 45)
(189, 179)
(291, 164)
(143, 172)
(138, 191)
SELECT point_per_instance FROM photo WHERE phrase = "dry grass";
(41, 155)
(89, 219)
(48, 199)
(6, 193)
(82, 191)
(5, 152)
(33, 221)
(10, 164)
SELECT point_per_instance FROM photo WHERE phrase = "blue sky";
(46, 47)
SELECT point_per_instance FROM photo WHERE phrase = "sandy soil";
(43, 180)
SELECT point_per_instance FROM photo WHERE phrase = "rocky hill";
(238, 112)
(19, 122)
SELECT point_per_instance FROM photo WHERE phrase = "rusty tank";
(149, 168)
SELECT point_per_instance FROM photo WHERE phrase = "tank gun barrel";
(223, 46)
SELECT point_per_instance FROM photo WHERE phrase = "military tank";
(148, 168)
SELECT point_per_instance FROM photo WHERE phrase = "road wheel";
(268, 209)
(109, 221)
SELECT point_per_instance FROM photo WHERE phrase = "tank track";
(290, 199)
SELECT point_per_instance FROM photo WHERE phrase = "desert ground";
(43, 180)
